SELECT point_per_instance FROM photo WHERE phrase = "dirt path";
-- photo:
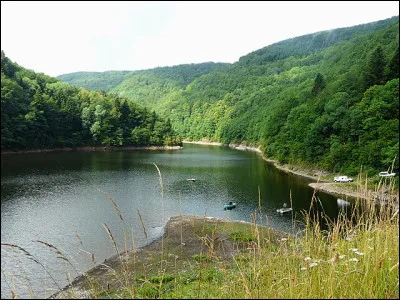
(336, 189)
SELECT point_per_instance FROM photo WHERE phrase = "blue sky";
(63, 37)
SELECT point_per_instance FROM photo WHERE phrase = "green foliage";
(319, 84)
(375, 68)
(241, 236)
(96, 81)
(211, 275)
(201, 258)
(162, 278)
(140, 82)
(148, 292)
(393, 71)
(39, 111)
(306, 45)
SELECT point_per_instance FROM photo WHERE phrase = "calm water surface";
(58, 198)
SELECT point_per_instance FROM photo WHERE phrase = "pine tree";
(375, 68)
(393, 71)
(319, 84)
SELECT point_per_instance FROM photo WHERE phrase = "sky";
(59, 37)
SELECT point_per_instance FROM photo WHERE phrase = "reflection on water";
(59, 198)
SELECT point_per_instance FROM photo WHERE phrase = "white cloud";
(63, 37)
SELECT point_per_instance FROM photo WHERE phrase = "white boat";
(386, 174)
(230, 205)
(342, 203)
(284, 210)
(342, 179)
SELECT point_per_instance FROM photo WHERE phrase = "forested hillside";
(328, 99)
(165, 79)
(38, 111)
(337, 107)
(96, 81)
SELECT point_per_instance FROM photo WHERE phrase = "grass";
(357, 257)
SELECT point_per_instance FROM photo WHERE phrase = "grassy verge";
(209, 258)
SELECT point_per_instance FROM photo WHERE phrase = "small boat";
(191, 179)
(230, 205)
(284, 209)
(386, 174)
(342, 203)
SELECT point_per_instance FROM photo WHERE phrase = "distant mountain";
(180, 75)
(95, 81)
(327, 99)
(311, 43)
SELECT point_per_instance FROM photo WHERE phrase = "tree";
(393, 71)
(7, 67)
(375, 68)
(319, 84)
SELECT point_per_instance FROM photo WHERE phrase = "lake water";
(58, 198)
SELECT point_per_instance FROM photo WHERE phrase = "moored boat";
(230, 205)
(342, 203)
(284, 209)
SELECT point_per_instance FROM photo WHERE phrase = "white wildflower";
(303, 268)
(359, 253)
(353, 249)
(314, 264)
(341, 256)
(353, 259)
(307, 258)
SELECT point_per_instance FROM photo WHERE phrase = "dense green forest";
(165, 78)
(38, 111)
(328, 99)
(96, 81)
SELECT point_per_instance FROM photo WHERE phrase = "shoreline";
(317, 173)
(90, 149)
(329, 187)
(185, 240)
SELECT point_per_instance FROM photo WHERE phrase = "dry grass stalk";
(141, 222)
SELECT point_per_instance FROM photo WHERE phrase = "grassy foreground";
(357, 257)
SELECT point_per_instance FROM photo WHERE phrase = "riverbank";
(93, 148)
(186, 242)
(209, 258)
(319, 176)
